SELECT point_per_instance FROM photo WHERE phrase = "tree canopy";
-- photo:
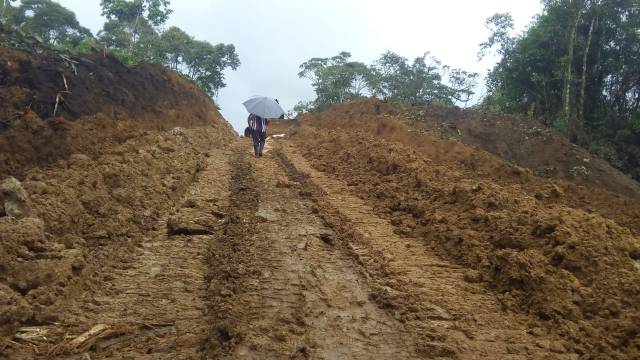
(134, 32)
(392, 77)
(576, 68)
(47, 20)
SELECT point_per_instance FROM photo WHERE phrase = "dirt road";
(276, 260)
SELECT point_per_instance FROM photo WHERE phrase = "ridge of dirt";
(124, 145)
(519, 140)
(473, 162)
(578, 273)
(154, 301)
(103, 103)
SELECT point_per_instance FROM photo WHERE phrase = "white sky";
(273, 38)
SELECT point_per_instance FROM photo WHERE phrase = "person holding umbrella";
(258, 127)
(261, 108)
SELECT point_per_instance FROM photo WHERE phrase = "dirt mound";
(521, 141)
(476, 162)
(543, 252)
(102, 90)
(99, 176)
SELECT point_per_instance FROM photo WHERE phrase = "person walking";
(258, 126)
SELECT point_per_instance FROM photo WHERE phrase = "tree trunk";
(583, 81)
(566, 96)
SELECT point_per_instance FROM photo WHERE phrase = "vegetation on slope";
(133, 33)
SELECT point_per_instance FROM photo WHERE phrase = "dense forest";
(134, 32)
(577, 69)
(392, 77)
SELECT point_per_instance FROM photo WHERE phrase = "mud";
(146, 230)
(286, 292)
(97, 178)
(421, 289)
(576, 272)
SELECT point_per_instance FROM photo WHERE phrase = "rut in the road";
(281, 286)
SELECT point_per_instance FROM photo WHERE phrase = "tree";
(174, 47)
(47, 20)
(129, 11)
(420, 82)
(576, 69)
(133, 22)
(336, 79)
(6, 10)
(205, 64)
(133, 32)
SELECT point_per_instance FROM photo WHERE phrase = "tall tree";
(48, 20)
(576, 68)
(133, 21)
(206, 63)
(336, 79)
(424, 80)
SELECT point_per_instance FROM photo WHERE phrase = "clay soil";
(359, 235)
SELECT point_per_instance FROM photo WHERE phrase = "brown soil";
(473, 162)
(106, 104)
(99, 180)
(577, 273)
(154, 234)
(521, 141)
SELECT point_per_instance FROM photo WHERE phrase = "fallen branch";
(102, 336)
(70, 62)
(66, 86)
(58, 98)
(88, 335)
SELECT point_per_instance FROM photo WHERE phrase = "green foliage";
(175, 45)
(500, 25)
(156, 12)
(44, 20)
(133, 35)
(304, 107)
(336, 79)
(576, 69)
(205, 64)
(392, 77)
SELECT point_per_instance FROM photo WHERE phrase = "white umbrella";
(264, 107)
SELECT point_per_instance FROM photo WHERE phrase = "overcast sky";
(272, 38)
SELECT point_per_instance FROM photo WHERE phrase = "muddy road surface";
(269, 258)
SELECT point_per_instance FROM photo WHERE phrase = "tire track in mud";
(450, 315)
(282, 288)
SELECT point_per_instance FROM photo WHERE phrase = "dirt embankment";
(100, 103)
(100, 175)
(551, 249)
(478, 163)
(518, 140)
